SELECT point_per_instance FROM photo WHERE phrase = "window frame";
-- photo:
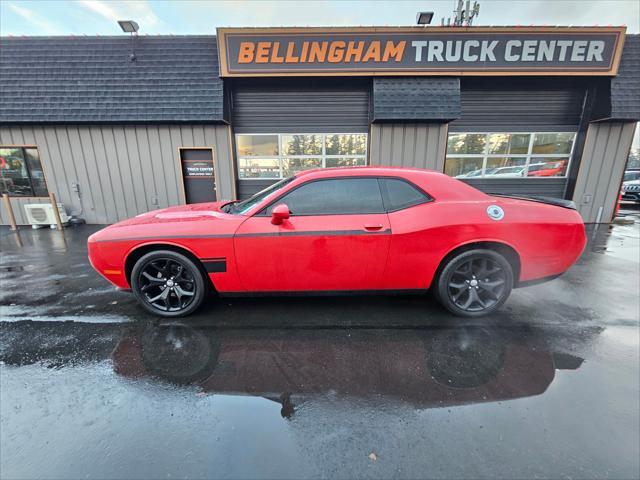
(282, 156)
(28, 167)
(529, 155)
(262, 212)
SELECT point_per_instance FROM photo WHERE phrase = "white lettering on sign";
(436, 48)
(419, 45)
(486, 52)
(467, 56)
(514, 50)
(509, 56)
(596, 47)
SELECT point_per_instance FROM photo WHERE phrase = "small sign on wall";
(197, 168)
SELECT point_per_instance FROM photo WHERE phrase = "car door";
(337, 238)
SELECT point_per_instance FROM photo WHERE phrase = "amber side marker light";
(112, 272)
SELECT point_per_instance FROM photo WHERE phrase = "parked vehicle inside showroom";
(358, 229)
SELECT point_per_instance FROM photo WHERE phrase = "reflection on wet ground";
(90, 386)
(428, 368)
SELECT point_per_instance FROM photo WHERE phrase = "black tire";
(474, 283)
(168, 284)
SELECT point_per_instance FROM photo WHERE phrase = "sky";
(98, 17)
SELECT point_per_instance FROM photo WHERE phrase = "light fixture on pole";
(424, 18)
(129, 26)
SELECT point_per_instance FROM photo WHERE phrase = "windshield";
(244, 206)
(631, 176)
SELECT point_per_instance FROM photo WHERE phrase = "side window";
(334, 197)
(399, 194)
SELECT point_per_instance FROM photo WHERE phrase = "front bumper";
(631, 196)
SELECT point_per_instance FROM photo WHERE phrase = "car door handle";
(373, 227)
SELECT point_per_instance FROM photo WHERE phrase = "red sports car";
(362, 229)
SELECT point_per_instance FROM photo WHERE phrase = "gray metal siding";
(550, 187)
(121, 169)
(305, 106)
(519, 106)
(421, 145)
(603, 161)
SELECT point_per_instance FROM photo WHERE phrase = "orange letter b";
(245, 55)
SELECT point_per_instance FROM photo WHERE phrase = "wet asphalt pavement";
(366, 387)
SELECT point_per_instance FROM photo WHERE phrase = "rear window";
(399, 194)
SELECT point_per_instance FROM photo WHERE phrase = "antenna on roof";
(464, 14)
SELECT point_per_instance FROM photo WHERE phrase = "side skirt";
(325, 293)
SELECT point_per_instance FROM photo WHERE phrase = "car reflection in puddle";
(424, 368)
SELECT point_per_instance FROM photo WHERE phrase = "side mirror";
(279, 214)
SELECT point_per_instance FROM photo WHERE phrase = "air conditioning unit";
(42, 214)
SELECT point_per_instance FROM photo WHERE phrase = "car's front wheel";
(168, 283)
(474, 283)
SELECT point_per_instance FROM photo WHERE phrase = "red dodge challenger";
(359, 229)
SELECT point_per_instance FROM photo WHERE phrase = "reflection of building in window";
(272, 156)
(21, 172)
(508, 155)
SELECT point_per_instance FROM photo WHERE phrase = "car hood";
(194, 219)
(182, 213)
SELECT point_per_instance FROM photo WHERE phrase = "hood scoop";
(182, 215)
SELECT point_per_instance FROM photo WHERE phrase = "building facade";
(202, 118)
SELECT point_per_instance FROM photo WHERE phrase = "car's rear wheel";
(475, 283)
(168, 283)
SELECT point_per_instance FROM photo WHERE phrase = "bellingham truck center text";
(472, 50)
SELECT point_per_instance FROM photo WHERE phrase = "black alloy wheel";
(475, 283)
(168, 283)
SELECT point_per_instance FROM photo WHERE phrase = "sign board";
(254, 52)
(198, 168)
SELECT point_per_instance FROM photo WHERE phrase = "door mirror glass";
(279, 214)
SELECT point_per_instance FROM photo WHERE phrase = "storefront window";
(257, 145)
(466, 143)
(468, 167)
(547, 143)
(259, 168)
(508, 155)
(291, 166)
(263, 156)
(345, 161)
(508, 143)
(21, 172)
(301, 144)
(352, 144)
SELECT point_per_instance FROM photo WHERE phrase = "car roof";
(364, 171)
(436, 184)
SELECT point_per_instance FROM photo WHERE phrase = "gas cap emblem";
(495, 212)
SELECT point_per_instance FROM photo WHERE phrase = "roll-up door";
(301, 106)
(297, 106)
(519, 105)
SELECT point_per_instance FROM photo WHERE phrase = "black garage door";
(310, 106)
(520, 105)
